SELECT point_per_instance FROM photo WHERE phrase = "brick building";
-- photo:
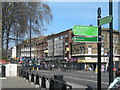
(60, 50)
(86, 53)
(41, 47)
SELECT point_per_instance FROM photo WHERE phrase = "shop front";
(91, 63)
(72, 64)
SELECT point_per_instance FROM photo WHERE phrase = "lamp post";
(30, 35)
(99, 50)
(111, 44)
(30, 39)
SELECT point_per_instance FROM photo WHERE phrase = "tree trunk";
(7, 40)
(0, 31)
(0, 40)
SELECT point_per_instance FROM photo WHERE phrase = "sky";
(68, 14)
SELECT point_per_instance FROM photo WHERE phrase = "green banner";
(85, 39)
(85, 30)
(105, 20)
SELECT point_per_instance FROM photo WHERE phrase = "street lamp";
(30, 39)
(111, 44)
(99, 50)
(30, 35)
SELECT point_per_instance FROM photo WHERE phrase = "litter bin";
(3, 71)
(58, 77)
(19, 67)
(58, 85)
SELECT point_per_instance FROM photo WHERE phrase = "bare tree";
(16, 17)
(0, 30)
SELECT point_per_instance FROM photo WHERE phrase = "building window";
(89, 50)
(113, 39)
(83, 50)
(116, 50)
(102, 50)
(66, 35)
(102, 37)
(116, 40)
(74, 49)
(113, 50)
(80, 50)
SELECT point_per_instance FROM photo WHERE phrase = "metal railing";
(44, 82)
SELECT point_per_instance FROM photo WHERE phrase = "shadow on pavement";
(89, 88)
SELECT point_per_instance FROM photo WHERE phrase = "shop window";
(80, 50)
(89, 50)
(83, 50)
(74, 50)
(102, 50)
(102, 37)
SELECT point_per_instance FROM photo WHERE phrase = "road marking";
(47, 74)
(85, 80)
(76, 85)
(79, 79)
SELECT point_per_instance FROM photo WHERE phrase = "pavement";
(18, 82)
(15, 82)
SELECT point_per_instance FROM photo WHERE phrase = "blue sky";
(68, 14)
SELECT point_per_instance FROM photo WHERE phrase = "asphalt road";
(84, 78)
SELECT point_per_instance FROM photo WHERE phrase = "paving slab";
(15, 82)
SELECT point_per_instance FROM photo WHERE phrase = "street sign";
(105, 20)
(85, 39)
(85, 30)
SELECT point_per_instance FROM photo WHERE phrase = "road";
(83, 78)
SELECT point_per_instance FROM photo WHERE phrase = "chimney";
(91, 25)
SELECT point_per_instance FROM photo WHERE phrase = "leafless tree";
(0, 30)
(16, 17)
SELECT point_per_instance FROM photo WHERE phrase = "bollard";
(37, 80)
(23, 74)
(40, 80)
(27, 77)
(47, 83)
(58, 77)
(70, 88)
(43, 84)
(64, 87)
(37, 68)
(51, 84)
(26, 74)
(32, 77)
(32, 68)
(20, 72)
(58, 85)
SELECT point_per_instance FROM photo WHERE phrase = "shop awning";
(90, 61)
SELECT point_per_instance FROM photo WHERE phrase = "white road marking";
(85, 79)
(81, 79)
(76, 85)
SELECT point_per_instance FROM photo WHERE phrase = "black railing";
(44, 82)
